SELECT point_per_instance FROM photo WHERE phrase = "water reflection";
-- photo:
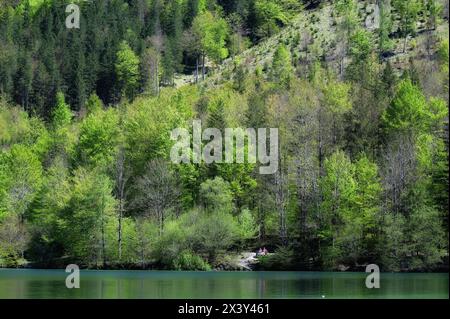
(165, 284)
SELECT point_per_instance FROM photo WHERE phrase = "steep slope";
(314, 35)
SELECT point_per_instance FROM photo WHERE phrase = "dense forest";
(86, 116)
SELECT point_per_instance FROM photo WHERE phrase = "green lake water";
(31, 283)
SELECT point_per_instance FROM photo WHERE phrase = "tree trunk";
(120, 227)
(279, 200)
(196, 70)
(156, 79)
(161, 222)
(203, 67)
(405, 43)
(103, 231)
(120, 194)
(320, 144)
(262, 226)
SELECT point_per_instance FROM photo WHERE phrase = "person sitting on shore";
(260, 252)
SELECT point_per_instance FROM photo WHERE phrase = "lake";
(33, 283)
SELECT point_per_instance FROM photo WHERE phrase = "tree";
(408, 110)
(348, 12)
(147, 234)
(216, 196)
(428, 245)
(62, 115)
(269, 16)
(337, 102)
(14, 239)
(98, 139)
(360, 46)
(211, 33)
(238, 42)
(348, 20)
(89, 210)
(23, 180)
(385, 44)
(193, 9)
(23, 80)
(392, 248)
(338, 188)
(433, 10)
(174, 28)
(399, 172)
(246, 225)
(121, 179)
(150, 71)
(408, 12)
(241, 182)
(47, 214)
(94, 104)
(282, 71)
(364, 222)
(214, 233)
(127, 69)
(305, 163)
(157, 191)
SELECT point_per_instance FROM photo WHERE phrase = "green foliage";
(147, 244)
(14, 239)
(22, 173)
(98, 138)
(392, 247)
(282, 258)
(348, 12)
(61, 113)
(189, 261)
(427, 239)
(414, 243)
(94, 104)
(127, 69)
(408, 109)
(337, 97)
(282, 71)
(363, 169)
(16, 127)
(339, 193)
(211, 32)
(215, 233)
(433, 9)
(408, 11)
(361, 45)
(240, 179)
(134, 245)
(443, 55)
(386, 24)
(363, 224)
(270, 15)
(216, 196)
(206, 235)
(86, 217)
(247, 228)
(351, 202)
(148, 137)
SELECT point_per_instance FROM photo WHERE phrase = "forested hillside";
(357, 89)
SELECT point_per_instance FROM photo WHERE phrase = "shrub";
(282, 259)
(190, 261)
